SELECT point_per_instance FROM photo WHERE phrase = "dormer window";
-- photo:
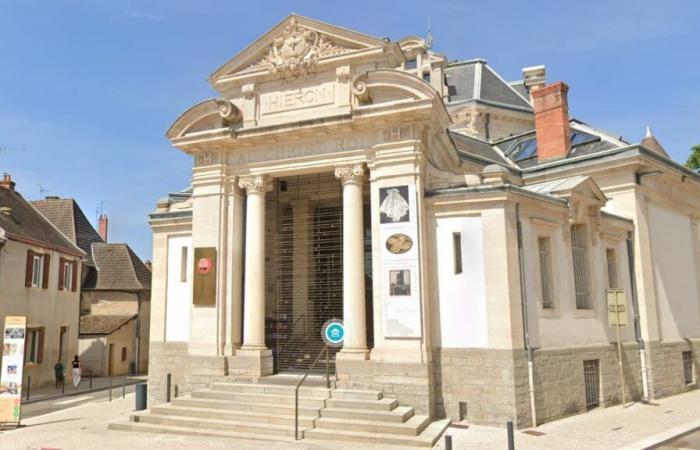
(411, 64)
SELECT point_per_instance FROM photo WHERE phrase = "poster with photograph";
(11, 369)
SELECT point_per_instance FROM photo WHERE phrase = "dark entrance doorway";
(305, 268)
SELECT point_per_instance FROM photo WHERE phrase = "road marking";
(74, 400)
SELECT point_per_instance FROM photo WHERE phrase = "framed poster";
(14, 335)
(204, 285)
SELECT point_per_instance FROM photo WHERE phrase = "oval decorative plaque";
(399, 243)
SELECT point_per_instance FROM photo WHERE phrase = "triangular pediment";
(294, 47)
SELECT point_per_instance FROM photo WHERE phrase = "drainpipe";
(637, 324)
(526, 329)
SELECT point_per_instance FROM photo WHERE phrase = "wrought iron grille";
(579, 249)
(591, 381)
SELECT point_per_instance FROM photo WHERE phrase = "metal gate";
(591, 381)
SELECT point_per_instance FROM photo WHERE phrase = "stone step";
(427, 438)
(356, 394)
(384, 404)
(243, 406)
(269, 399)
(272, 389)
(238, 416)
(412, 427)
(169, 429)
(214, 424)
(399, 414)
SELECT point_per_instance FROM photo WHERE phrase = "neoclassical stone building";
(465, 229)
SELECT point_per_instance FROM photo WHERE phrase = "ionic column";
(254, 291)
(355, 342)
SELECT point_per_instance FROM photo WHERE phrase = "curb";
(664, 437)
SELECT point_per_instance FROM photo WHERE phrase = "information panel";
(204, 286)
(12, 365)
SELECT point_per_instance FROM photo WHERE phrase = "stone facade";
(666, 367)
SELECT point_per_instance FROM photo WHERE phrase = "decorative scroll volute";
(350, 174)
(255, 184)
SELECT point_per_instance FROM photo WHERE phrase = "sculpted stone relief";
(296, 52)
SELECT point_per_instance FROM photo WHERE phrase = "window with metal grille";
(591, 381)
(612, 268)
(582, 282)
(457, 251)
(546, 272)
(688, 367)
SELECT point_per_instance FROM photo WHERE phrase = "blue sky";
(88, 88)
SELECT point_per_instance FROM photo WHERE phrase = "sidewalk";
(98, 384)
(636, 427)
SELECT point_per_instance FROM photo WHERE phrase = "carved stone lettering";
(306, 97)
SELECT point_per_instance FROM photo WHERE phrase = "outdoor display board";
(12, 365)
(204, 286)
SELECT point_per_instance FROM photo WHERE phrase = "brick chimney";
(552, 121)
(102, 226)
(7, 182)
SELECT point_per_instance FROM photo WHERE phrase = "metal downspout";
(637, 324)
(526, 329)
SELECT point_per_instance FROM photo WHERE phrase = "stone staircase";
(266, 411)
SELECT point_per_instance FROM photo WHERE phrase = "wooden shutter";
(30, 268)
(61, 270)
(47, 267)
(40, 351)
(74, 285)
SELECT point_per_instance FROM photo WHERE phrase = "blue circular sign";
(333, 332)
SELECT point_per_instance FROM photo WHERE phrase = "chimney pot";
(7, 182)
(552, 121)
(534, 78)
(103, 226)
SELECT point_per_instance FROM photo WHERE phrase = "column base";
(353, 354)
(251, 362)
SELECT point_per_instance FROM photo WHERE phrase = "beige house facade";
(40, 271)
(466, 230)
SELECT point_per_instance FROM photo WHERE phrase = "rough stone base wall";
(559, 380)
(410, 383)
(665, 367)
(188, 372)
(486, 380)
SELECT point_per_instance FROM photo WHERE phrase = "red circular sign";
(204, 265)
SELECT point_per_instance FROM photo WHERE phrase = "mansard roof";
(475, 81)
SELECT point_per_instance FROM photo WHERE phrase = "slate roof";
(98, 324)
(21, 221)
(117, 268)
(67, 216)
(475, 80)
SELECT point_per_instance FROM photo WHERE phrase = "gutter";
(526, 328)
(637, 323)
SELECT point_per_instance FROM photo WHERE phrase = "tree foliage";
(694, 158)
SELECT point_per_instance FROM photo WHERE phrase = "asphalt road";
(57, 404)
(689, 441)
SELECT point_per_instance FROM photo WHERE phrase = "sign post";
(12, 367)
(617, 317)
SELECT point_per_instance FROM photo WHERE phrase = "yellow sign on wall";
(12, 366)
(617, 308)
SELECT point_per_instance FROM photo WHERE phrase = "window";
(426, 77)
(37, 270)
(591, 381)
(411, 64)
(34, 346)
(183, 264)
(545, 254)
(688, 367)
(68, 276)
(457, 251)
(123, 353)
(612, 268)
(579, 250)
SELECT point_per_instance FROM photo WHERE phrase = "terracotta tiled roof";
(118, 268)
(21, 221)
(97, 324)
(67, 216)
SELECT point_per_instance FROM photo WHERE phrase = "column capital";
(255, 184)
(354, 174)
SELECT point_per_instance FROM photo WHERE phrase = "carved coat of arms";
(295, 53)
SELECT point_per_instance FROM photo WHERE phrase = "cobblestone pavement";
(635, 427)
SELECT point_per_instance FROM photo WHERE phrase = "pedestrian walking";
(59, 373)
(76, 371)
